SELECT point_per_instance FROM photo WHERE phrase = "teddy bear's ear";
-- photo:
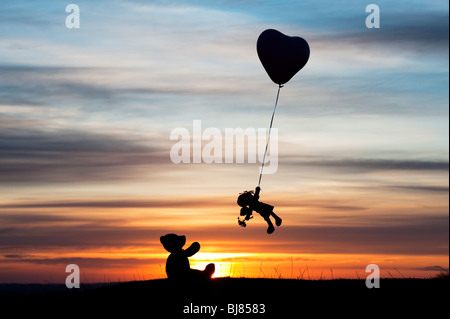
(165, 241)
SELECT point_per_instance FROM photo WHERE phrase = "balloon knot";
(281, 85)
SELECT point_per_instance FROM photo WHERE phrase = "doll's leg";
(271, 229)
(278, 220)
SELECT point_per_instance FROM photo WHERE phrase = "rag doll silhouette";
(249, 202)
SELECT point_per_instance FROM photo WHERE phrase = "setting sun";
(222, 261)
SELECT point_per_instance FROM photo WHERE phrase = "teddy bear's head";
(172, 242)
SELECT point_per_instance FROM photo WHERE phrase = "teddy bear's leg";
(209, 270)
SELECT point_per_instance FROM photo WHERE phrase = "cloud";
(422, 237)
(84, 262)
(358, 165)
(415, 32)
(52, 85)
(120, 93)
(13, 256)
(420, 188)
(402, 235)
(126, 203)
(77, 237)
(422, 32)
(70, 156)
(26, 218)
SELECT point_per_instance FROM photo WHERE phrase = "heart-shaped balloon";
(282, 56)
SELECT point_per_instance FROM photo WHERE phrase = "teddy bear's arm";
(192, 250)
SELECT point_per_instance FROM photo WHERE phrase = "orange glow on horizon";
(122, 243)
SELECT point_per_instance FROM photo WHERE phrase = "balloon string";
(268, 137)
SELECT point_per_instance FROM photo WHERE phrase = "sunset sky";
(86, 116)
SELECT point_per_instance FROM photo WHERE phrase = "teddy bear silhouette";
(177, 265)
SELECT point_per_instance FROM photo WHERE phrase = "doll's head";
(245, 198)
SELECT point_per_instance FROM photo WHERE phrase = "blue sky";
(87, 113)
(147, 61)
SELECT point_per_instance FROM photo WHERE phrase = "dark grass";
(283, 298)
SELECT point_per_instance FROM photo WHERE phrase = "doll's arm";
(192, 250)
(257, 190)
